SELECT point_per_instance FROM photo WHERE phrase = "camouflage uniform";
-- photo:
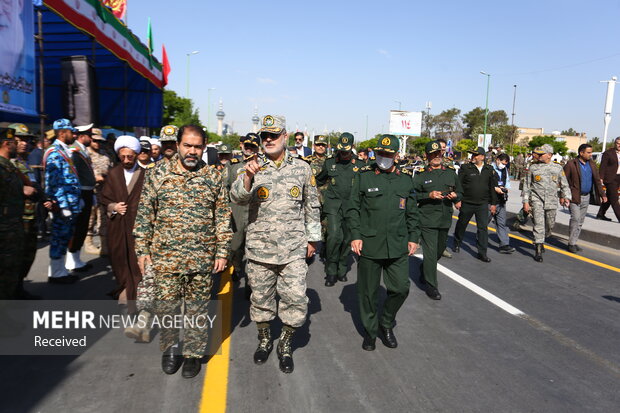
(183, 224)
(239, 218)
(280, 197)
(11, 230)
(101, 164)
(541, 192)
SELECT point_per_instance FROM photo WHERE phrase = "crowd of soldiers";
(172, 212)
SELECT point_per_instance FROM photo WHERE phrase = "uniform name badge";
(402, 204)
(373, 189)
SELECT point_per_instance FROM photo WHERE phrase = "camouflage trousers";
(146, 294)
(62, 231)
(193, 291)
(97, 224)
(288, 281)
(11, 239)
(544, 220)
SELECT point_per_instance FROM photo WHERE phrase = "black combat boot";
(191, 367)
(330, 280)
(265, 344)
(170, 361)
(343, 278)
(389, 339)
(369, 343)
(538, 255)
(285, 350)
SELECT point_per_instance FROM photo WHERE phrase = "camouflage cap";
(20, 129)
(251, 139)
(546, 148)
(97, 134)
(273, 124)
(168, 133)
(224, 148)
(388, 143)
(538, 151)
(432, 146)
(61, 124)
(345, 142)
(320, 140)
(7, 134)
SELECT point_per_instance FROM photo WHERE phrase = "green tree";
(465, 145)
(417, 145)
(597, 145)
(179, 111)
(569, 132)
(558, 146)
(448, 124)
(474, 119)
(367, 144)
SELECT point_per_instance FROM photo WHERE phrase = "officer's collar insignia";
(386, 142)
(262, 193)
(295, 191)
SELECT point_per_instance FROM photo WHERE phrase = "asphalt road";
(461, 354)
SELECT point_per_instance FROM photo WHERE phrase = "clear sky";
(328, 65)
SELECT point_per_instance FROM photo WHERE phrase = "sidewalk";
(605, 233)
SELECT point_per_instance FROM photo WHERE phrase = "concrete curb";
(561, 230)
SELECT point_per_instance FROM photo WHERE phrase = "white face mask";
(501, 166)
(383, 162)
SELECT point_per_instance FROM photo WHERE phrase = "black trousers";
(611, 188)
(81, 222)
(482, 221)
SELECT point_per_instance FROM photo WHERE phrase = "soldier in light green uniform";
(542, 183)
(437, 188)
(382, 216)
(337, 174)
(11, 211)
(251, 146)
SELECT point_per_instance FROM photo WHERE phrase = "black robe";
(121, 243)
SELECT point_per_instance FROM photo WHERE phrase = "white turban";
(144, 138)
(127, 142)
(155, 141)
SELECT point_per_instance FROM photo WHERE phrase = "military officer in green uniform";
(382, 216)
(337, 173)
(250, 145)
(11, 211)
(436, 188)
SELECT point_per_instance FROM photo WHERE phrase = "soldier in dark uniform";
(478, 182)
(383, 219)
(437, 188)
(11, 211)
(337, 173)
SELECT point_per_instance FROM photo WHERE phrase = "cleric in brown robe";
(120, 198)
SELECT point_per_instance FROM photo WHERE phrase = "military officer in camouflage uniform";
(282, 232)
(250, 147)
(32, 194)
(437, 189)
(11, 211)
(101, 163)
(521, 218)
(168, 139)
(183, 230)
(337, 173)
(382, 216)
(540, 195)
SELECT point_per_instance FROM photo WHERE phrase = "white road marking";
(478, 290)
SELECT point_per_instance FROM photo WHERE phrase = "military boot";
(89, 247)
(285, 350)
(538, 255)
(330, 280)
(265, 345)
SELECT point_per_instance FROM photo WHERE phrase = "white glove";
(66, 213)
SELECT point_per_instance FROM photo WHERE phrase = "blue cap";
(64, 124)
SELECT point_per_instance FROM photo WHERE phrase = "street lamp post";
(514, 132)
(486, 111)
(399, 104)
(187, 74)
(209, 105)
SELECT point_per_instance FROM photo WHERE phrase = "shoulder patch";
(234, 160)
(407, 171)
(366, 168)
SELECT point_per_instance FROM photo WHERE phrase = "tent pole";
(42, 114)
(125, 97)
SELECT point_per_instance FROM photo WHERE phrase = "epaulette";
(407, 171)
(308, 158)
(235, 160)
(450, 167)
(366, 168)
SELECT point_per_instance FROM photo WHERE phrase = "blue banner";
(17, 65)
